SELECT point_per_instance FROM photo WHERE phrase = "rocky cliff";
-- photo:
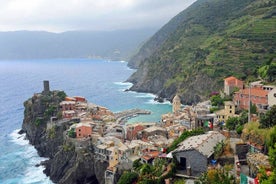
(66, 164)
(207, 42)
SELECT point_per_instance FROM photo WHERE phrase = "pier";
(121, 117)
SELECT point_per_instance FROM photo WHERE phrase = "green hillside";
(207, 42)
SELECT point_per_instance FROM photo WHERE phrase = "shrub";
(128, 178)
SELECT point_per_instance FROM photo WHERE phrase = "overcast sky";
(65, 15)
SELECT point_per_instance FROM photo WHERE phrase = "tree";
(272, 158)
(232, 122)
(216, 100)
(269, 119)
(128, 178)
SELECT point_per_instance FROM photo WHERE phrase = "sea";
(102, 82)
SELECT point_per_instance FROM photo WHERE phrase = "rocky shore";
(65, 164)
(69, 161)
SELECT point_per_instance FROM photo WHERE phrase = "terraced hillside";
(207, 42)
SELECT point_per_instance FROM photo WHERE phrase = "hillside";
(210, 40)
(118, 44)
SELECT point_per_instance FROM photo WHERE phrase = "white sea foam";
(145, 95)
(152, 101)
(32, 174)
(18, 138)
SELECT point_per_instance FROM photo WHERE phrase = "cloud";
(63, 15)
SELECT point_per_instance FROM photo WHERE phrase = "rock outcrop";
(66, 164)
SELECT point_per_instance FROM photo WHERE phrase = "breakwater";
(122, 117)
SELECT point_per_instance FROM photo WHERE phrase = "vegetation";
(128, 178)
(216, 176)
(218, 149)
(72, 133)
(272, 159)
(216, 100)
(38, 121)
(184, 136)
(268, 71)
(52, 132)
(68, 147)
(269, 119)
(147, 174)
(236, 123)
(202, 45)
(61, 95)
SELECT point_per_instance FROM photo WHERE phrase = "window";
(230, 112)
(230, 107)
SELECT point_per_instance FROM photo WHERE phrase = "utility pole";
(249, 119)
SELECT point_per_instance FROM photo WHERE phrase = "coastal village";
(122, 144)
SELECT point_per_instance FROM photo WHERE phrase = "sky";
(68, 15)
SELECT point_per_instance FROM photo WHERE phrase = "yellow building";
(228, 111)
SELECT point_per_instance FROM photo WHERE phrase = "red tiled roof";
(230, 78)
(254, 92)
(233, 81)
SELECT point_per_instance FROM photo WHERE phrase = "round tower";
(176, 103)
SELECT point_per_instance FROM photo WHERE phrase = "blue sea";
(101, 82)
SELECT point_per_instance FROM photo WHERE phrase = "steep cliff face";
(207, 42)
(66, 164)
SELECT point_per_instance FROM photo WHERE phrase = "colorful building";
(83, 130)
(230, 83)
(228, 111)
(258, 96)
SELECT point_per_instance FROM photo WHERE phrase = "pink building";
(67, 105)
(258, 96)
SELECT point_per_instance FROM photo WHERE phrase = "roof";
(83, 124)
(233, 81)
(228, 103)
(154, 128)
(204, 143)
(67, 102)
(176, 98)
(258, 160)
(253, 92)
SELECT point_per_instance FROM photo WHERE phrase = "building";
(194, 153)
(228, 111)
(67, 105)
(154, 130)
(132, 131)
(258, 96)
(206, 122)
(69, 114)
(272, 97)
(230, 83)
(83, 130)
(176, 104)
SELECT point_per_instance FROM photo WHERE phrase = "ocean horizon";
(99, 81)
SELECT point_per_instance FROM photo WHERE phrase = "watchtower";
(46, 87)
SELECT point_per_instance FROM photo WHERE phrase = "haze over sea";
(101, 82)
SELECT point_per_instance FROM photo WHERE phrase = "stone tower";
(46, 87)
(176, 103)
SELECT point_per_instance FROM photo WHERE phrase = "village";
(120, 144)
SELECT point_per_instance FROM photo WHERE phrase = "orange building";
(258, 96)
(230, 83)
(83, 130)
(80, 99)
